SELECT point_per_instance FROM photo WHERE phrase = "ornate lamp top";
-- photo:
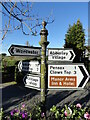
(44, 24)
(44, 31)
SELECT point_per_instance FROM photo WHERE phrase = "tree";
(3, 54)
(20, 15)
(75, 38)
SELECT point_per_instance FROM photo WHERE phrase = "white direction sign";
(32, 81)
(67, 76)
(56, 54)
(29, 66)
(17, 50)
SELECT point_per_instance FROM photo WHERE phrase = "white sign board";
(67, 76)
(31, 66)
(32, 81)
(60, 54)
(17, 50)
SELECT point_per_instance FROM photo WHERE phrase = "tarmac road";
(13, 95)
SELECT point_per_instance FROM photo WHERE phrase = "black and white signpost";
(62, 74)
(32, 81)
(18, 50)
(69, 76)
(60, 54)
(29, 66)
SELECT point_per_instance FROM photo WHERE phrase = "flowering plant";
(73, 112)
(23, 114)
(19, 114)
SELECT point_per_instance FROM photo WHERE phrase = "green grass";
(10, 83)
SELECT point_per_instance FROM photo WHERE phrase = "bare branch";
(4, 13)
(23, 30)
(20, 16)
(10, 12)
(9, 21)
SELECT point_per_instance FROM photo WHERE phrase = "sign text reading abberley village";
(60, 54)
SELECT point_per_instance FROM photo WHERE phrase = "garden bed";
(73, 112)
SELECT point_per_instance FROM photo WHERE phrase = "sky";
(65, 13)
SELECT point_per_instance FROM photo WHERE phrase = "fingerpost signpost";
(43, 43)
(32, 81)
(60, 54)
(18, 50)
(62, 74)
(31, 66)
(67, 76)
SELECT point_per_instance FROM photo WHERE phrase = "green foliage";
(22, 113)
(1, 113)
(55, 111)
(37, 112)
(8, 63)
(19, 114)
(75, 38)
(9, 69)
(3, 54)
(8, 73)
(74, 112)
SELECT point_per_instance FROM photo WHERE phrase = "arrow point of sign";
(85, 78)
(10, 50)
(19, 65)
(72, 55)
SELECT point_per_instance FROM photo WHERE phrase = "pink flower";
(23, 115)
(23, 105)
(42, 114)
(78, 105)
(12, 113)
(68, 112)
(65, 113)
(16, 110)
(87, 115)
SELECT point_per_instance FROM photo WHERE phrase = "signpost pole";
(43, 43)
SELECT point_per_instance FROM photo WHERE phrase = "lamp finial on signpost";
(44, 24)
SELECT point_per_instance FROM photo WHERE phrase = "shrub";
(74, 112)
(8, 74)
